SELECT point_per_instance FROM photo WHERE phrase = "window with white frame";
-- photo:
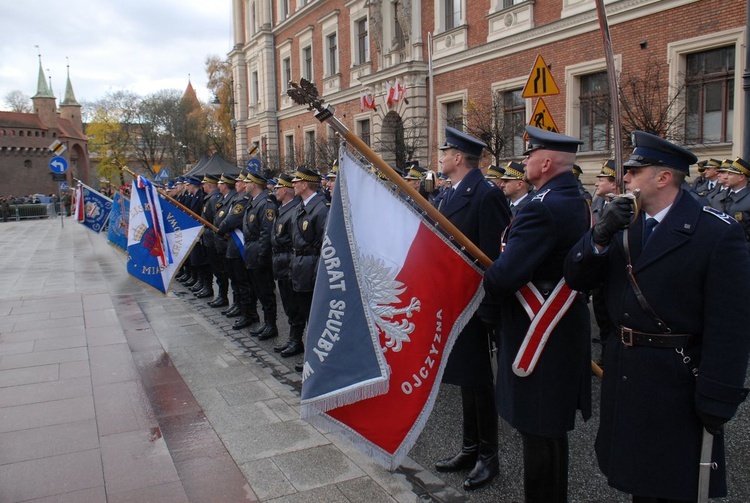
(307, 63)
(595, 112)
(452, 13)
(363, 130)
(709, 96)
(332, 54)
(284, 9)
(362, 53)
(289, 151)
(254, 89)
(398, 33)
(310, 147)
(510, 3)
(286, 72)
(453, 112)
(514, 119)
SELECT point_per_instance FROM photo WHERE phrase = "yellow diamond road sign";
(58, 147)
(541, 118)
(540, 81)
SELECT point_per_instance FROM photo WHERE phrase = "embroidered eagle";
(381, 290)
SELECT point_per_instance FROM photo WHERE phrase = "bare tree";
(16, 101)
(402, 142)
(494, 125)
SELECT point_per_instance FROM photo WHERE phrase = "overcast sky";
(138, 45)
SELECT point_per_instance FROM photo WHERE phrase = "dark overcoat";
(308, 230)
(233, 220)
(257, 227)
(281, 240)
(694, 272)
(537, 242)
(480, 211)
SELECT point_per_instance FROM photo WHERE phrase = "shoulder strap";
(637, 289)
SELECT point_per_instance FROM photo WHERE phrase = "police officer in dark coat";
(257, 228)
(211, 202)
(203, 288)
(281, 243)
(308, 228)
(577, 172)
(541, 401)
(480, 211)
(736, 204)
(679, 361)
(515, 186)
(226, 188)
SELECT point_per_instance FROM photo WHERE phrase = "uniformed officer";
(257, 228)
(308, 228)
(480, 211)
(541, 401)
(281, 242)
(737, 202)
(204, 288)
(710, 186)
(414, 175)
(716, 200)
(700, 179)
(226, 188)
(515, 186)
(577, 172)
(211, 202)
(494, 174)
(680, 362)
(605, 185)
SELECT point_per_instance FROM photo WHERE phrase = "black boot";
(269, 332)
(192, 280)
(232, 311)
(205, 293)
(248, 317)
(197, 287)
(219, 301)
(184, 276)
(467, 456)
(487, 466)
(281, 347)
(294, 347)
(545, 469)
(298, 367)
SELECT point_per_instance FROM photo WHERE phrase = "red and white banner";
(366, 101)
(396, 93)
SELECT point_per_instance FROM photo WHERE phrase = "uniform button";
(624, 378)
(626, 316)
(579, 255)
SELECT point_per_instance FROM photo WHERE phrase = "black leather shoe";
(205, 293)
(219, 302)
(233, 311)
(182, 277)
(190, 282)
(294, 348)
(298, 367)
(225, 311)
(483, 472)
(255, 332)
(242, 322)
(197, 287)
(464, 460)
(269, 332)
(281, 347)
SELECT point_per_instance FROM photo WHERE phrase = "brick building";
(25, 139)
(679, 65)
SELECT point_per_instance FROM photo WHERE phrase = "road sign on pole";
(540, 81)
(254, 164)
(58, 165)
(58, 147)
(542, 118)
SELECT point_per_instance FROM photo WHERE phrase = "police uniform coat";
(480, 211)
(198, 253)
(521, 202)
(737, 206)
(257, 227)
(537, 242)
(307, 239)
(210, 205)
(281, 239)
(649, 437)
(597, 207)
(232, 221)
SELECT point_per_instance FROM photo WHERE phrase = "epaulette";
(718, 214)
(540, 195)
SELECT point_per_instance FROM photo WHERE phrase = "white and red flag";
(396, 92)
(366, 101)
(391, 296)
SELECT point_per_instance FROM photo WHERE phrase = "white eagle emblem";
(382, 291)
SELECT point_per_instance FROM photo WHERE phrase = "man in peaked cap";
(480, 211)
(494, 174)
(308, 228)
(678, 363)
(605, 185)
(541, 401)
(517, 189)
(700, 179)
(737, 202)
(577, 172)
(210, 203)
(710, 185)
(203, 288)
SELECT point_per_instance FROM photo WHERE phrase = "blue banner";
(93, 211)
(117, 230)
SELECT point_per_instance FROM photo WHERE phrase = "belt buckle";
(626, 336)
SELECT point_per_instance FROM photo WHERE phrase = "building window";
(595, 117)
(454, 114)
(307, 68)
(332, 54)
(514, 119)
(709, 87)
(398, 32)
(363, 42)
(284, 11)
(253, 19)
(27, 164)
(363, 131)
(310, 148)
(286, 72)
(289, 151)
(254, 97)
(452, 14)
(511, 3)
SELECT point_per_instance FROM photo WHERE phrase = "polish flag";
(396, 92)
(391, 296)
(366, 101)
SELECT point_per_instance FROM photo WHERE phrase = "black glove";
(713, 424)
(616, 216)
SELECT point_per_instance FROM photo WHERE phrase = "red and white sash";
(544, 316)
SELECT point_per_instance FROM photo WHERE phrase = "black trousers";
(545, 469)
(261, 282)
(218, 268)
(243, 292)
(290, 303)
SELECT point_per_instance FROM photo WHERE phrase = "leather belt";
(630, 337)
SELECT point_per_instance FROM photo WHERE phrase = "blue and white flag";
(239, 239)
(391, 296)
(92, 208)
(117, 230)
(160, 236)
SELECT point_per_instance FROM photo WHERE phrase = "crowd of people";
(674, 357)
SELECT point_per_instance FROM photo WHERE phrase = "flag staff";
(305, 93)
(175, 202)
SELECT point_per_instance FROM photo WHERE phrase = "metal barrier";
(28, 211)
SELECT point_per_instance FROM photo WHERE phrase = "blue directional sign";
(254, 164)
(162, 175)
(58, 165)
(63, 185)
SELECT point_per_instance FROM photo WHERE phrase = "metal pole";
(60, 204)
(746, 87)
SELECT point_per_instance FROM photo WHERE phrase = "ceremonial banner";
(117, 230)
(160, 236)
(390, 298)
(92, 208)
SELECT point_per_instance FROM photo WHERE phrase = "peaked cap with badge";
(494, 172)
(651, 150)
(541, 139)
(285, 180)
(608, 169)
(513, 171)
(462, 141)
(415, 172)
(227, 179)
(210, 179)
(305, 174)
(739, 167)
(256, 177)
